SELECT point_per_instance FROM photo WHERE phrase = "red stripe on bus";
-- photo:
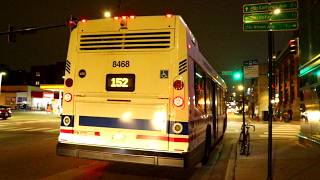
(163, 138)
(69, 131)
(97, 133)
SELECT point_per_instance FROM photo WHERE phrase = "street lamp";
(240, 87)
(277, 11)
(107, 14)
(1, 74)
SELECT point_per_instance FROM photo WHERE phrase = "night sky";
(216, 24)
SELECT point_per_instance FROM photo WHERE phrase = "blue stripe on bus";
(139, 124)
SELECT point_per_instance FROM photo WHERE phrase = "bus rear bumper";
(121, 155)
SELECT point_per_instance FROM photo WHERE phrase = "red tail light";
(83, 20)
(69, 82)
(178, 84)
(132, 17)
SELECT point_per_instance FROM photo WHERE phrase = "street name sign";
(271, 26)
(226, 73)
(263, 7)
(259, 17)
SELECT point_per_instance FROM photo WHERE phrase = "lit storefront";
(53, 97)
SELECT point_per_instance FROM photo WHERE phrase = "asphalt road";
(27, 151)
(28, 141)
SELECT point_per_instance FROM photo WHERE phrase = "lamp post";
(1, 74)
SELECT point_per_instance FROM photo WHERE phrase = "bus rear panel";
(120, 105)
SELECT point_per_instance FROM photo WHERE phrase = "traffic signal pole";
(243, 103)
(270, 77)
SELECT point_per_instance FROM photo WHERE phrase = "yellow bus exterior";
(129, 93)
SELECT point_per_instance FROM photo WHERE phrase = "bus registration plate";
(120, 82)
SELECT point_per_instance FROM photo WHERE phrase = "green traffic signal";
(237, 75)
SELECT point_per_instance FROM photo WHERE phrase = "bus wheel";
(207, 147)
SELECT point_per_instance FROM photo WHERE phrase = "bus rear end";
(118, 95)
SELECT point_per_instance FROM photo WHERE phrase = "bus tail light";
(67, 97)
(178, 84)
(69, 82)
(178, 101)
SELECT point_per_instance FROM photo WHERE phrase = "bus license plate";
(120, 82)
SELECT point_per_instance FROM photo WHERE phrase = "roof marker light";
(169, 15)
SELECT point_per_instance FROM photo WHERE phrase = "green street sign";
(258, 17)
(226, 73)
(264, 7)
(271, 26)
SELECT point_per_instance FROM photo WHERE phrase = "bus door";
(124, 98)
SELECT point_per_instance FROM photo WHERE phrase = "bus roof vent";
(125, 41)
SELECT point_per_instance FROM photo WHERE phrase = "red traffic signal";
(72, 23)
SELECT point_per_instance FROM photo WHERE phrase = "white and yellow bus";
(138, 90)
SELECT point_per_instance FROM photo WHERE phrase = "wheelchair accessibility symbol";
(164, 74)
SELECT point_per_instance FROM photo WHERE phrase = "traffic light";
(11, 35)
(72, 23)
(293, 46)
(237, 75)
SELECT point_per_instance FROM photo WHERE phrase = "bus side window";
(199, 88)
(209, 96)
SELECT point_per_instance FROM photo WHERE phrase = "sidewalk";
(291, 160)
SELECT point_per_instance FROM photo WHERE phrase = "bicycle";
(244, 139)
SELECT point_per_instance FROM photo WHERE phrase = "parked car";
(5, 112)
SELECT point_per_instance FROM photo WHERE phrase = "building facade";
(286, 84)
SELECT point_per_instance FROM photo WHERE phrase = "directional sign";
(264, 7)
(271, 26)
(251, 69)
(258, 17)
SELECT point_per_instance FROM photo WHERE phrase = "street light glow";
(1, 74)
(277, 11)
(240, 87)
(107, 14)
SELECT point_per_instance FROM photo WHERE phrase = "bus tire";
(207, 147)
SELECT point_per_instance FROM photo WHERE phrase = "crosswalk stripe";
(17, 129)
(280, 133)
(39, 129)
(53, 130)
(279, 136)
(28, 129)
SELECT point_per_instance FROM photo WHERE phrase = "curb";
(230, 172)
